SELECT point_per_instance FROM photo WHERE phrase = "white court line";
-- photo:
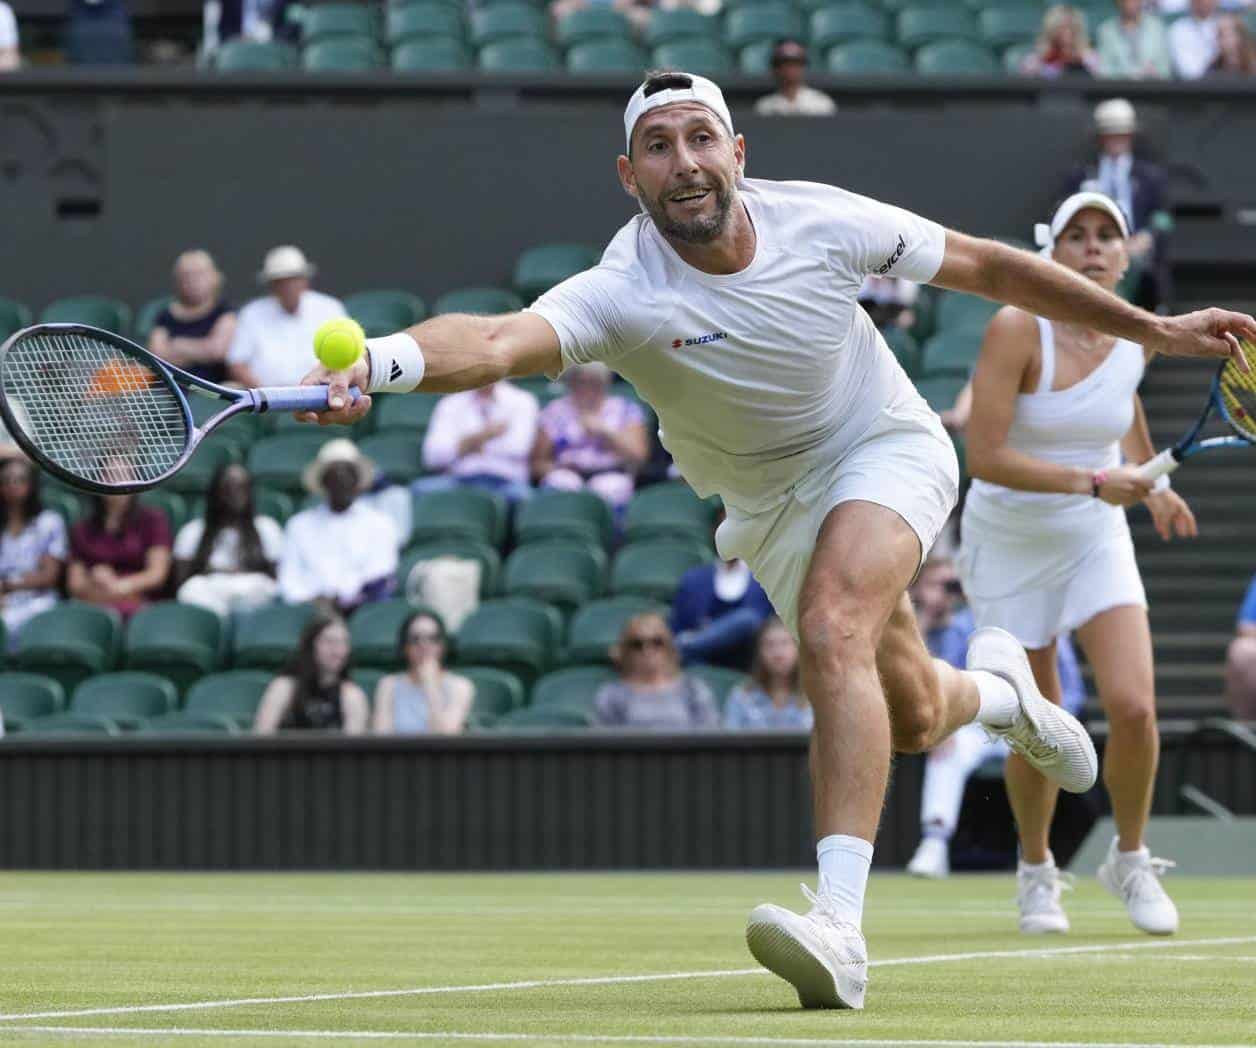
(612, 980)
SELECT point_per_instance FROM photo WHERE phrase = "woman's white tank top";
(1079, 426)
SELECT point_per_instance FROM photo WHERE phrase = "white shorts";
(905, 462)
(1043, 578)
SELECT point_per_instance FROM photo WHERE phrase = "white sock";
(1036, 867)
(1138, 855)
(844, 863)
(997, 704)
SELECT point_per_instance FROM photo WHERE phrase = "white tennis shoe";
(932, 859)
(1038, 899)
(1135, 880)
(1048, 737)
(821, 955)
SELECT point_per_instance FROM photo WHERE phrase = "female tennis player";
(1046, 548)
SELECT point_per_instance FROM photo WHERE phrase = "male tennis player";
(730, 305)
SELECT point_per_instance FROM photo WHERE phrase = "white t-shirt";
(8, 27)
(1193, 46)
(330, 554)
(806, 102)
(276, 344)
(225, 556)
(759, 376)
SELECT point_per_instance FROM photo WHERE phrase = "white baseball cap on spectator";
(331, 453)
(284, 262)
(1116, 116)
(1045, 234)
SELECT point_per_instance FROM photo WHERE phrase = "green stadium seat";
(462, 512)
(895, 6)
(941, 390)
(278, 461)
(951, 353)
(540, 268)
(578, 515)
(960, 312)
(867, 58)
(232, 693)
(565, 574)
(513, 635)
(432, 55)
(756, 59)
(69, 505)
(252, 56)
(125, 698)
(405, 412)
(182, 723)
(170, 503)
(397, 455)
(591, 23)
(669, 510)
(925, 310)
(423, 21)
(95, 311)
(596, 627)
(13, 317)
(605, 57)
(480, 301)
(25, 696)
(505, 22)
(718, 678)
(546, 719)
(274, 504)
(758, 22)
(518, 55)
(846, 22)
(68, 643)
(265, 638)
(904, 348)
(373, 632)
(146, 317)
(653, 569)
(1001, 27)
(917, 26)
(497, 693)
(466, 549)
(71, 724)
(1014, 58)
(573, 688)
(181, 642)
(385, 311)
(956, 58)
(194, 478)
(694, 55)
(328, 21)
(342, 54)
(682, 23)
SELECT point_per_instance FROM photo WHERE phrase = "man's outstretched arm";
(458, 352)
(1036, 285)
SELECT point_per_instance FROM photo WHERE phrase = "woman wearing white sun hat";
(1046, 548)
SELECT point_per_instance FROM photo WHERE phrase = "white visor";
(703, 91)
(1045, 235)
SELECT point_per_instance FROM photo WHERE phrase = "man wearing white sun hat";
(730, 304)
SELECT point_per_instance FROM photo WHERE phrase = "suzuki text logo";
(701, 340)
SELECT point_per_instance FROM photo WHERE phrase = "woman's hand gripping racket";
(1233, 397)
(105, 415)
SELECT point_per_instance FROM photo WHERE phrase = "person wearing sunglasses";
(652, 694)
(425, 698)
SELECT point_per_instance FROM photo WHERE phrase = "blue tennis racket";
(1233, 398)
(105, 415)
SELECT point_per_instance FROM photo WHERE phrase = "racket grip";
(295, 398)
(1160, 466)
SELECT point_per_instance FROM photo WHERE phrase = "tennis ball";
(339, 343)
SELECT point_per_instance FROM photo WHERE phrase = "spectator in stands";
(947, 625)
(1193, 40)
(196, 329)
(10, 55)
(274, 338)
(1240, 664)
(426, 698)
(98, 32)
(119, 555)
(792, 96)
(589, 439)
(32, 547)
(1139, 187)
(652, 693)
(226, 561)
(1134, 45)
(260, 20)
(1063, 48)
(889, 301)
(717, 611)
(342, 552)
(482, 438)
(773, 697)
(1236, 51)
(314, 691)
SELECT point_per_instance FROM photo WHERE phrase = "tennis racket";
(1233, 398)
(104, 415)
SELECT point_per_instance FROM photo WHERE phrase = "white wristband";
(396, 363)
(1162, 483)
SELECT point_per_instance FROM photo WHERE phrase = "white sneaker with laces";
(1048, 737)
(932, 859)
(1135, 880)
(1038, 891)
(821, 955)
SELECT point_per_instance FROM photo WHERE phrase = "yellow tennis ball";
(339, 343)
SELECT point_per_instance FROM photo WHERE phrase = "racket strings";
(1238, 393)
(97, 412)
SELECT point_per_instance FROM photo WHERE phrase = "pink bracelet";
(1097, 480)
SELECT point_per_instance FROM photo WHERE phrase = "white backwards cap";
(1045, 235)
(699, 89)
